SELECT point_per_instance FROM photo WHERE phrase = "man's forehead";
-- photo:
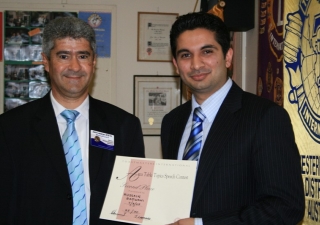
(71, 44)
(71, 39)
(194, 38)
(198, 30)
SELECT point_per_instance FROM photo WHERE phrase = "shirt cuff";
(198, 221)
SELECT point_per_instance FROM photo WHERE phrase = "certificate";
(149, 191)
(153, 36)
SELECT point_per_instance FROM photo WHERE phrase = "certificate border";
(173, 85)
(138, 190)
(141, 32)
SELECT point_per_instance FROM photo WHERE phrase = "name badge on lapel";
(102, 140)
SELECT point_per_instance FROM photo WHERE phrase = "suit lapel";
(97, 122)
(177, 129)
(46, 127)
(217, 138)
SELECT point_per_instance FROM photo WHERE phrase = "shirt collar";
(83, 109)
(212, 104)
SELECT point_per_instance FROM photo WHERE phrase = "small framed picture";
(154, 97)
(153, 36)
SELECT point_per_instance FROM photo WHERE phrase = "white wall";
(124, 49)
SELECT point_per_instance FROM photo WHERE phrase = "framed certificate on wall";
(153, 36)
(154, 97)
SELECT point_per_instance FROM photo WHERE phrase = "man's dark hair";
(192, 21)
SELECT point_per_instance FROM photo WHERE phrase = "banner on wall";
(101, 23)
(302, 93)
(270, 49)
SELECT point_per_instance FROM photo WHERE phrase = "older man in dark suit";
(248, 162)
(57, 153)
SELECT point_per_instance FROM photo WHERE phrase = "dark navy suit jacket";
(249, 169)
(34, 181)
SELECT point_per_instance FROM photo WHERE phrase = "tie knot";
(198, 115)
(70, 115)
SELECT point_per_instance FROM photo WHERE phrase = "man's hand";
(187, 221)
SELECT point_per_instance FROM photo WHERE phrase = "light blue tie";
(72, 152)
(193, 146)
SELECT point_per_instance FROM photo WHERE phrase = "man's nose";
(197, 62)
(74, 64)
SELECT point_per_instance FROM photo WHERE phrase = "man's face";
(71, 68)
(200, 62)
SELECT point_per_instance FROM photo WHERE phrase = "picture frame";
(154, 97)
(1, 38)
(153, 36)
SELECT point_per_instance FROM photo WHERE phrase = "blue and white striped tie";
(193, 146)
(72, 153)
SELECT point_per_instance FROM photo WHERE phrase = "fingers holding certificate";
(149, 191)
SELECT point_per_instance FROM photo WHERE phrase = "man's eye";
(207, 51)
(83, 56)
(185, 55)
(63, 56)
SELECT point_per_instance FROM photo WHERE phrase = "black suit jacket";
(249, 169)
(34, 181)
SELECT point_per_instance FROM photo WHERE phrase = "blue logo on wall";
(301, 59)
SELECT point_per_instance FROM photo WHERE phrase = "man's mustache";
(200, 71)
(74, 74)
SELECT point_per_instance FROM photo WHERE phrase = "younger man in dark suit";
(248, 162)
(57, 153)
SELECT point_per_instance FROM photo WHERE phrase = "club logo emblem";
(94, 20)
(301, 58)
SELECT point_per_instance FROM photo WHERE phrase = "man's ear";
(45, 62)
(175, 65)
(229, 56)
(95, 57)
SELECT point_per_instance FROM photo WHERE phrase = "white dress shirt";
(210, 108)
(82, 128)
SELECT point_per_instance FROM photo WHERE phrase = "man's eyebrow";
(209, 46)
(182, 50)
(62, 52)
(203, 47)
(84, 52)
(78, 52)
